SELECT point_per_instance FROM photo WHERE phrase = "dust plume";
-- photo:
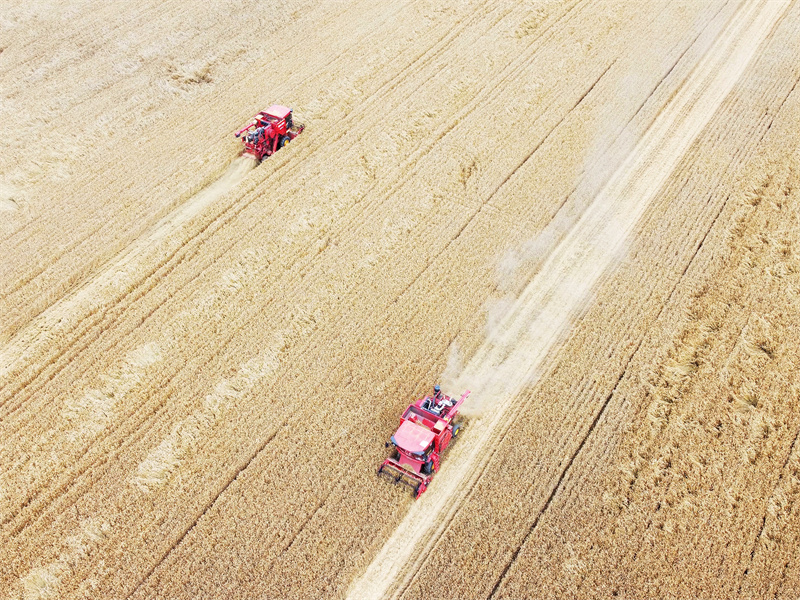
(613, 141)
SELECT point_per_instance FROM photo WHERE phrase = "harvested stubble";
(206, 422)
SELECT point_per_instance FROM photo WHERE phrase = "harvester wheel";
(427, 467)
(283, 141)
(456, 430)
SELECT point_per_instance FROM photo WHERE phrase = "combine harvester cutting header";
(426, 430)
(269, 131)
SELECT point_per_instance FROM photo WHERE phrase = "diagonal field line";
(514, 353)
(120, 274)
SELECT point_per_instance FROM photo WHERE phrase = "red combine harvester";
(426, 429)
(269, 131)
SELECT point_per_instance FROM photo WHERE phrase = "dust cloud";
(612, 144)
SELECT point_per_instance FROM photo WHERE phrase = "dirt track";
(200, 365)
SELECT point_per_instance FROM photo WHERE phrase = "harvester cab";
(426, 429)
(269, 131)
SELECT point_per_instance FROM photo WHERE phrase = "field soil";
(585, 212)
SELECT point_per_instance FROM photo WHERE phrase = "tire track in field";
(564, 472)
(541, 316)
(761, 529)
(118, 275)
(239, 469)
(486, 201)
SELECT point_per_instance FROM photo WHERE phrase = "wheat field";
(585, 211)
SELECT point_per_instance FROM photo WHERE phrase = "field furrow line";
(760, 531)
(119, 278)
(559, 291)
(564, 472)
(206, 508)
(487, 199)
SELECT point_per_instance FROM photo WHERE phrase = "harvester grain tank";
(269, 131)
(426, 430)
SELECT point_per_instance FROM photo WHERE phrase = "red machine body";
(269, 131)
(426, 430)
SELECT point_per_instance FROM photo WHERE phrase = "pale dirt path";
(121, 275)
(512, 356)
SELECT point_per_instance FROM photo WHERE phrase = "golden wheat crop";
(585, 212)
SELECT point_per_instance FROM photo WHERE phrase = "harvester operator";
(256, 135)
(440, 401)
